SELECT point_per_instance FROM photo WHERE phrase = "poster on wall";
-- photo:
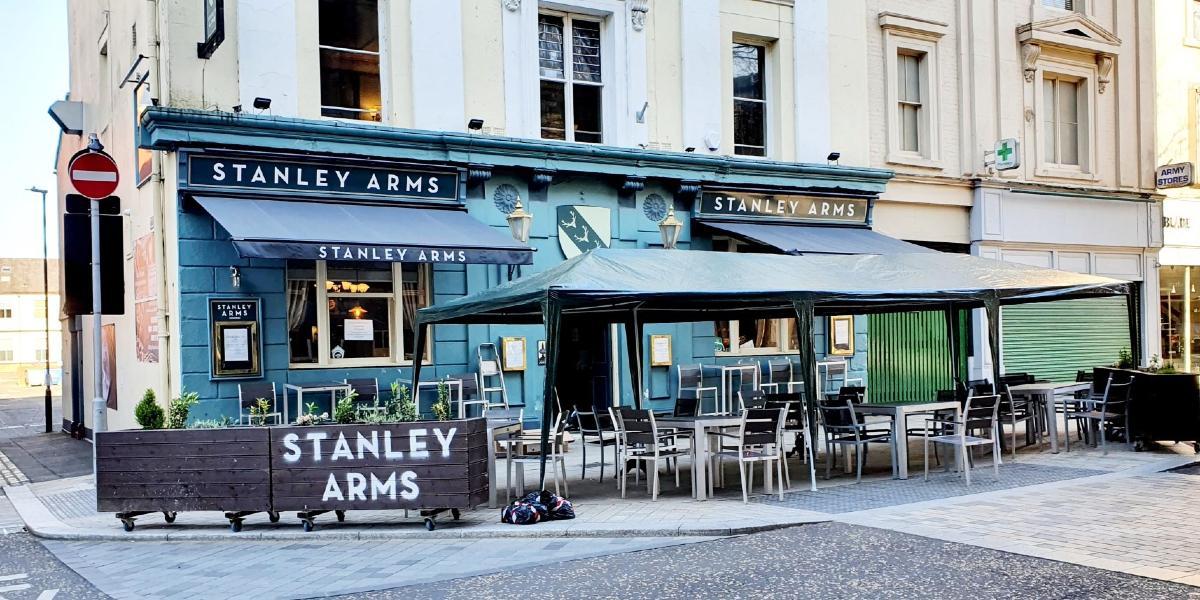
(841, 335)
(108, 364)
(145, 299)
(514, 353)
(235, 326)
(660, 350)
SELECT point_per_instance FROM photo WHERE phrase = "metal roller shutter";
(1054, 340)
(908, 358)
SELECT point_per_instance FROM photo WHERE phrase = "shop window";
(357, 315)
(349, 51)
(749, 100)
(752, 336)
(570, 53)
(1061, 111)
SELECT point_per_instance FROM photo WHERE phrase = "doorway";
(584, 365)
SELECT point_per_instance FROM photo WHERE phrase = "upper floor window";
(6, 312)
(39, 309)
(910, 101)
(572, 81)
(749, 100)
(1061, 119)
(1063, 4)
(349, 47)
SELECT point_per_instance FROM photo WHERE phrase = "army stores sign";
(323, 178)
(788, 207)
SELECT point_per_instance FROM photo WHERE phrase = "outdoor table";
(700, 452)
(727, 372)
(1049, 392)
(497, 429)
(330, 387)
(899, 412)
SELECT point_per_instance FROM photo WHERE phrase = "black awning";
(345, 231)
(815, 239)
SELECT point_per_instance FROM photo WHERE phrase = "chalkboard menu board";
(235, 341)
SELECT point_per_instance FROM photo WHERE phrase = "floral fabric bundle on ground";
(535, 507)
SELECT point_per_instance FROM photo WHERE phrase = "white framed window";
(1071, 5)
(749, 99)
(354, 314)
(1192, 22)
(39, 308)
(571, 74)
(6, 312)
(348, 42)
(39, 355)
(752, 336)
(1065, 126)
(7, 354)
(911, 89)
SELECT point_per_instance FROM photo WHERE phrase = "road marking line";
(15, 588)
(48, 594)
(14, 577)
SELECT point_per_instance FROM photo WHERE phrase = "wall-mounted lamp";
(833, 157)
(237, 108)
(235, 277)
(669, 228)
(262, 103)
(475, 124)
(690, 149)
(520, 222)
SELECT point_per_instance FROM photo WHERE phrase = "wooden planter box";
(421, 465)
(171, 470)
(1162, 407)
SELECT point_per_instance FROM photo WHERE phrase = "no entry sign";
(94, 174)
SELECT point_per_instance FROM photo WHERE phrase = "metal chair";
(367, 394)
(979, 415)
(759, 439)
(778, 375)
(843, 428)
(690, 381)
(795, 421)
(641, 441)
(1111, 409)
(470, 392)
(1018, 410)
(555, 456)
(597, 426)
(248, 396)
(753, 399)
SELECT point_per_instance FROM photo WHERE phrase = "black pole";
(632, 344)
(552, 317)
(46, 379)
(992, 305)
(418, 355)
(951, 315)
(1131, 306)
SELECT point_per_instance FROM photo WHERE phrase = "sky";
(33, 38)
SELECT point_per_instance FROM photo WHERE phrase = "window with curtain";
(356, 315)
(1062, 4)
(749, 100)
(752, 336)
(910, 100)
(572, 81)
(1060, 120)
(348, 41)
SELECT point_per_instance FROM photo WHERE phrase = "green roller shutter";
(1054, 340)
(908, 358)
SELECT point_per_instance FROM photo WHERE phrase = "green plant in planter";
(259, 411)
(402, 408)
(1125, 359)
(343, 410)
(441, 409)
(310, 416)
(221, 423)
(148, 413)
(177, 415)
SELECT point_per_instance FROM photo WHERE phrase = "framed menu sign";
(235, 338)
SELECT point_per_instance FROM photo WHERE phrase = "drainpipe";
(162, 314)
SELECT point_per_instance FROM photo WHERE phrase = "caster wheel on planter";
(341, 515)
(454, 513)
(235, 526)
(429, 524)
(308, 526)
(273, 516)
(127, 524)
(169, 516)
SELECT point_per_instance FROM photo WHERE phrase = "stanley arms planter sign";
(419, 465)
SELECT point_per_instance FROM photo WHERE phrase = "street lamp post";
(520, 223)
(46, 380)
(669, 228)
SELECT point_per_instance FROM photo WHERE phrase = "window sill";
(1064, 172)
(366, 364)
(913, 160)
(757, 352)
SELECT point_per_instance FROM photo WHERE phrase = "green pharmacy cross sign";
(1008, 154)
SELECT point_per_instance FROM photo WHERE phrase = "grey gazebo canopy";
(635, 287)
